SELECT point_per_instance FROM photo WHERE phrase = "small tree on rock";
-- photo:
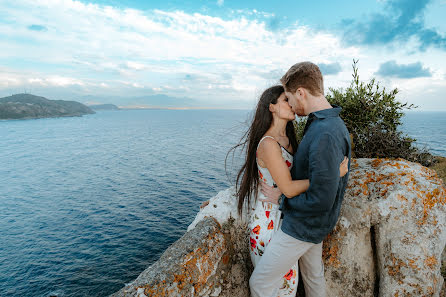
(373, 115)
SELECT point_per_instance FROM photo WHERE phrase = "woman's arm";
(270, 155)
(272, 194)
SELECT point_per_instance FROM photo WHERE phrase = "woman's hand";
(343, 168)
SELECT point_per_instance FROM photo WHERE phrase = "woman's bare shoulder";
(268, 146)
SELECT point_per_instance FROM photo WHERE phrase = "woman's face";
(283, 109)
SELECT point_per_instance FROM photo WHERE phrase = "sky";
(220, 53)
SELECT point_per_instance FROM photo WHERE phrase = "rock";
(388, 241)
(221, 207)
(201, 263)
(390, 234)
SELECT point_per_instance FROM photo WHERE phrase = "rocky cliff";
(27, 106)
(388, 241)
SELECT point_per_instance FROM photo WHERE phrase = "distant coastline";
(144, 107)
(103, 107)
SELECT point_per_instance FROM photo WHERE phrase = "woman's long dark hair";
(247, 181)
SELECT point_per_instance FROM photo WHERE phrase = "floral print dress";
(264, 221)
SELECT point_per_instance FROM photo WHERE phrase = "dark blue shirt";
(310, 216)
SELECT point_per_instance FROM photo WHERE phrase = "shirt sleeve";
(325, 157)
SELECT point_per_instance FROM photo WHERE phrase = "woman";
(271, 142)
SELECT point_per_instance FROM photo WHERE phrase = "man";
(310, 216)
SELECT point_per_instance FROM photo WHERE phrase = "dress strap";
(267, 136)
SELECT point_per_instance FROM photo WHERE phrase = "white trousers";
(280, 254)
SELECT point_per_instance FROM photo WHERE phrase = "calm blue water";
(87, 203)
(428, 128)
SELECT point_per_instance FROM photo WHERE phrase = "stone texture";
(390, 234)
(209, 260)
(388, 241)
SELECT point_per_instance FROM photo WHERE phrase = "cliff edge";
(388, 241)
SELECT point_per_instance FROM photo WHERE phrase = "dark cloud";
(37, 28)
(330, 69)
(392, 69)
(401, 20)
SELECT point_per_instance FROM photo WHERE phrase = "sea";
(87, 203)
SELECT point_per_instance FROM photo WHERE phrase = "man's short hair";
(304, 75)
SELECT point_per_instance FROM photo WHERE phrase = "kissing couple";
(293, 191)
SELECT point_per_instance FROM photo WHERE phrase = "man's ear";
(302, 93)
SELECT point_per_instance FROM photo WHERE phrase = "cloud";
(403, 20)
(156, 49)
(102, 50)
(37, 28)
(220, 2)
(330, 69)
(413, 70)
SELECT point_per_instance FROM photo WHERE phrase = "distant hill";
(104, 107)
(27, 106)
(154, 101)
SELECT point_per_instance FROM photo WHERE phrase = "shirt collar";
(326, 113)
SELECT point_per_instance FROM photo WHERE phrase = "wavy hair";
(247, 181)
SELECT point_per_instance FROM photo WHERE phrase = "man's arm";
(325, 155)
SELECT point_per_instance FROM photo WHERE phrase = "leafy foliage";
(373, 115)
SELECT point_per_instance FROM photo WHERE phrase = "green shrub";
(373, 115)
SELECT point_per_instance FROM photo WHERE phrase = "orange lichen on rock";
(394, 270)
(401, 198)
(376, 162)
(429, 200)
(387, 183)
(412, 264)
(225, 259)
(197, 267)
(155, 291)
(330, 251)
(431, 262)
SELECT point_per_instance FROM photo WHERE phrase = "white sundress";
(265, 220)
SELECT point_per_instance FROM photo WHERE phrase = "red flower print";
(288, 163)
(261, 175)
(267, 213)
(256, 229)
(262, 243)
(289, 274)
(253, 242)
(271, 225)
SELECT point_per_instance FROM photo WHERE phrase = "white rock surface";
(221, 207)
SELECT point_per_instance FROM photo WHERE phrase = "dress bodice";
(264, 173)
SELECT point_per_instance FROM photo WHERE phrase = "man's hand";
(272, 194)
(343, 168)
